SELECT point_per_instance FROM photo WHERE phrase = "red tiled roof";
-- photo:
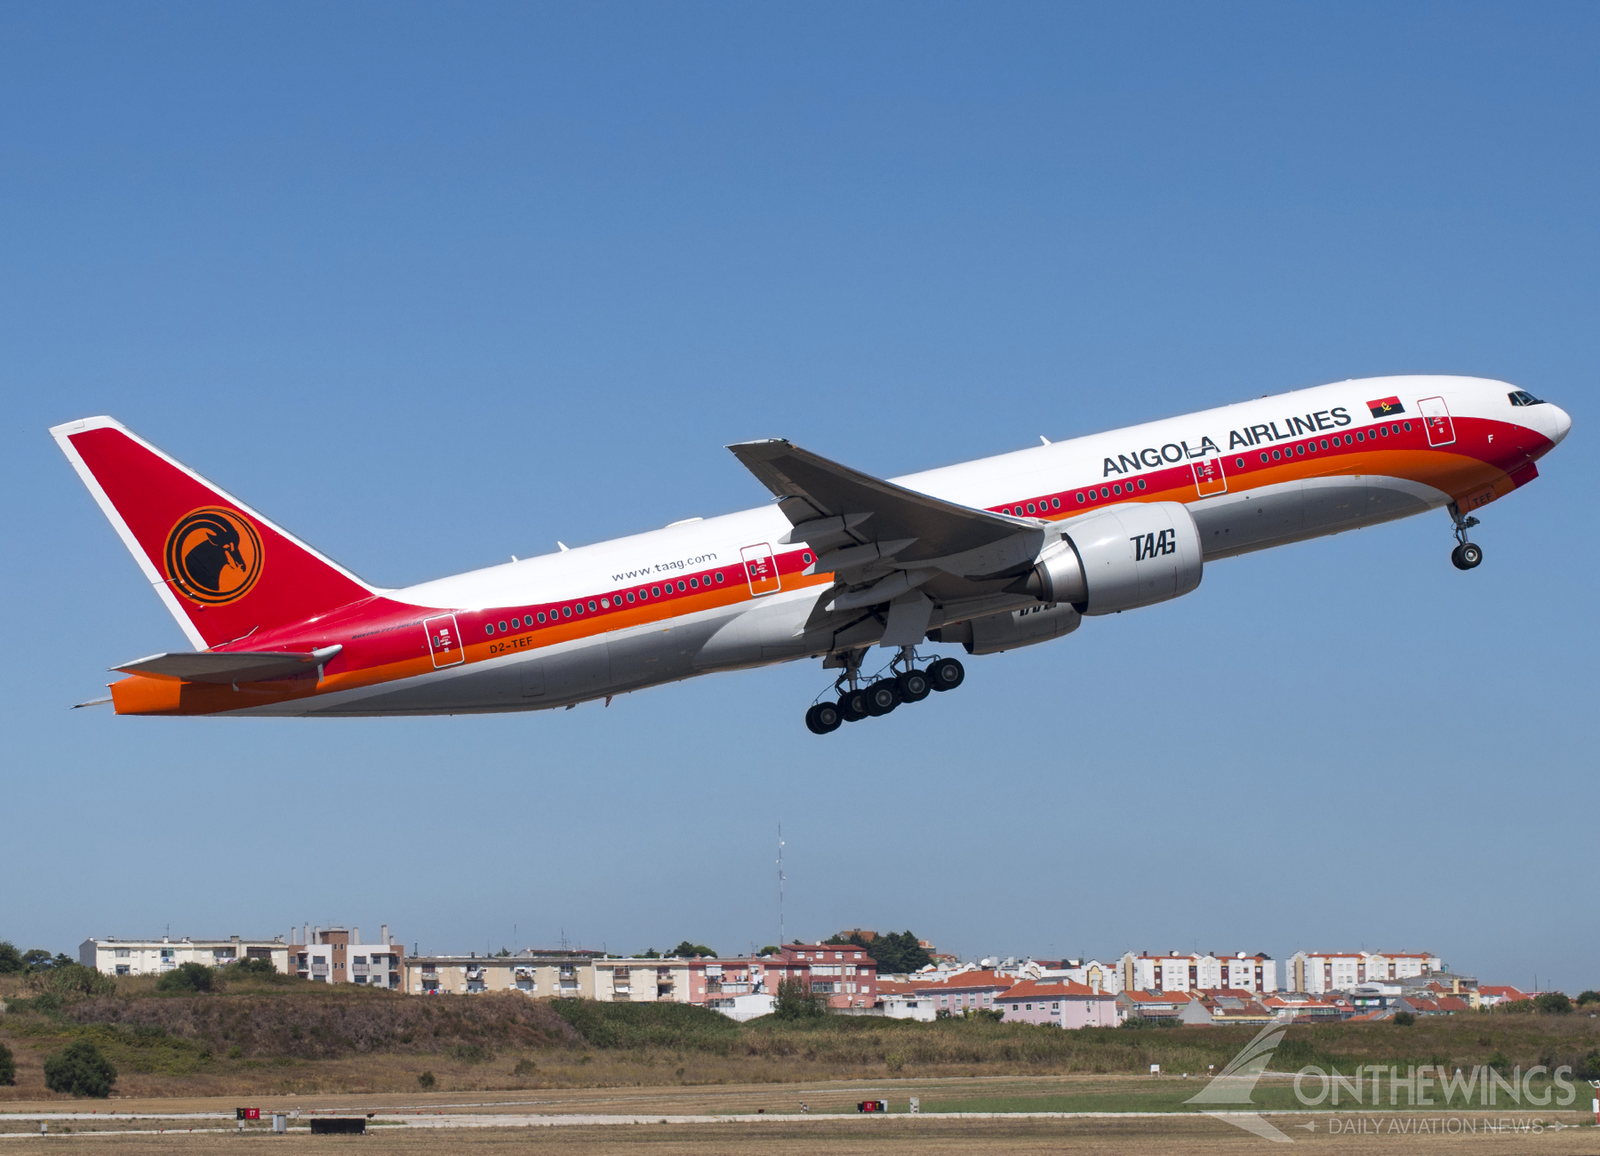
(1053, 989)
(969, 979)
(1138, 996)
(1510, 993)
(894, 987)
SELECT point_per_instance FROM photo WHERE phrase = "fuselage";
(723, 592)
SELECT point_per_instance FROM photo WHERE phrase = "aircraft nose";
(1560, 423)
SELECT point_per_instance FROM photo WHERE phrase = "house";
(901, 1001)
(1090, 973)
(965, 991)
(1297, 1006)
(843, 972)
(1163, 1006)
(1495, 995)
(1443, 1006)
(1060, 1003)
(1230, 1006)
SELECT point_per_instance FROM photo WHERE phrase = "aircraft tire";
(882, 697)
(946, 674)
(1471, 555)
(914, 686)
(853, 705)
(823, 718)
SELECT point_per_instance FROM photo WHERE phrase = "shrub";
(1499, 1061)
(426, 1081)
(525, 1068)
(1553, 1003)
(1589, 1068)
(1404, 1019)
(1585, 998)
(80, 1070)
(189, 977)
(70, 979)
(10, 958)
(8, 1067)
(796, 1001)
(248, 966)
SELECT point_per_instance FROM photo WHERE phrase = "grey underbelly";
(1294, 511)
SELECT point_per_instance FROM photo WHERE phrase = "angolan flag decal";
(1386, 407)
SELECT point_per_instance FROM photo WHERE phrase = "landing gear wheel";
(853, 705)
(1467, 555)
(946, 674)
(913, 686)
(882, 697)
(823, 718)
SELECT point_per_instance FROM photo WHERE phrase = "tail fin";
(223, 570)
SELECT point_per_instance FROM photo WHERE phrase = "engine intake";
(1135, 555)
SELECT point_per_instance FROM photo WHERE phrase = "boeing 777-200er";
(992, 555)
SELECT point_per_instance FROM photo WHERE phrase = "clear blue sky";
(436, 284)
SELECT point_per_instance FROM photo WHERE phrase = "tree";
(80, 1070)
(252, 966)
(896, 954)
(1553, 1003)
(686, 949)
(770, 949)
(10, 958)
(1585, 998)
(188, 977)
(37, 959)
(796, 1001)
(648, 953)
(1404, 1019)
(8, 1067)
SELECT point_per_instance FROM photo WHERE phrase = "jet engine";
(996, 632)
(1133, 555)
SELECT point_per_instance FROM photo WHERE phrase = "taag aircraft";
(988, 555)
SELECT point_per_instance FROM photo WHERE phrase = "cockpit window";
(1523, 397)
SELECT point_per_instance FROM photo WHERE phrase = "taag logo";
(1154, 545)
(213, 555)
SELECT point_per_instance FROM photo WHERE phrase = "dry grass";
(302, 1039)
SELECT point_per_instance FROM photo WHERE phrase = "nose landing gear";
(1467, 554)
(901, 682)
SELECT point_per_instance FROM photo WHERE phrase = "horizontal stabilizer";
(236, 666)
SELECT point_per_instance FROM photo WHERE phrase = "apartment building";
(1241, 971)
(964, 991)
(844, 973)
(1318, 972)
(337, 955)
(113, 956)
(567, 975)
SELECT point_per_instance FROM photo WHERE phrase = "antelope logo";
(213, 555)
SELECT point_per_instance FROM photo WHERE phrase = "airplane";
(988, 555)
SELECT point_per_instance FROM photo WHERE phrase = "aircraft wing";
(231, 666)
(881, 537)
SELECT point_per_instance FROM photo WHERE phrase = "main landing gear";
(901, 682)
(1467, 554)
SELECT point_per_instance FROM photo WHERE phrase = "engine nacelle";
(997, 632)
(1133, 555)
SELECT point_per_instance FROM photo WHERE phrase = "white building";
(113, 956)
(1195, 972)
(1317, 972)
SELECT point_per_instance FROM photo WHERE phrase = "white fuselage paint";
(770, 629)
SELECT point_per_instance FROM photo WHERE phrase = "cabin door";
(1441, 431)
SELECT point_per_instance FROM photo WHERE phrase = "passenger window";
(655, 592)
(488, 628)
(578, 607)
(1055, 503)
(1141, 483)
(1276, 455)
(1408, 427)
(681, 585)
(1324, 443)
(541, 616)
(605, 603)
(1384, 430)
(1349, 439)
(806, 558)
(502, 627)
(1080, 499)
(1116, 489)
(694, 584)
(592, 605)
(1360, 437)
(1299, 449)
(719, 575)
(1265, 458)
(630, 596)
(1238, 463)
(566, 612)
(1105, 492)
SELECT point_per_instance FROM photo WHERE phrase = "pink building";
(1061, 1003)
(965, 991)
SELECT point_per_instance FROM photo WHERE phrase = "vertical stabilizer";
(223, 570)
